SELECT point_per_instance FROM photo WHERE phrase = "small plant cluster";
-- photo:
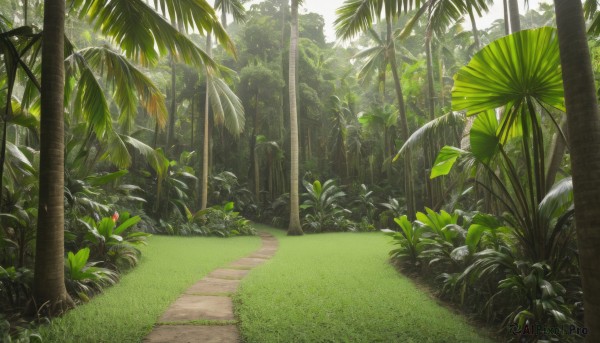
(323, 208)
(475, 260)
(220, 221)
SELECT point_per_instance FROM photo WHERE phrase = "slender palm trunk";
(404, 131)
(25, 12)
(474, 29)
(557, 152)
(206, 145)
(515, 21)
(49, 289)
(506, 18)
(295, 228)
(173, 110)
(583, 121)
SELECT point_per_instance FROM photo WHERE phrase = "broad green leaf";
(445, 161)
(126, 224)
(484, 142)
(99, 180)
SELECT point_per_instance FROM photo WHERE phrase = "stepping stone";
(193, 307)
(230, 274)
(248, 262)
(267, 251)
(263, 256)
(193, 334)
(212, 286)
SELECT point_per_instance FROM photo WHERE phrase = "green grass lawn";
(340, 288)
(127, 311)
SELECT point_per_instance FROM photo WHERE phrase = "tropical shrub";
(114, 243)
(223, 221)
(82, 278)
(321, 209)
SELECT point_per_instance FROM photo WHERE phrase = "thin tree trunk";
(583, 121)
(474, 29)
(173, 109)
(206, 145)
(557, 152)
(515, 21)
(404, 131)
(25, 12)
(294, 228)
(506, 18)
(49, 290)
(192, 125)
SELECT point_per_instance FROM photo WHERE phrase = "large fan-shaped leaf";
(509, 70)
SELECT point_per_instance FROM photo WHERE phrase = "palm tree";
(357, 16)
(294, 229)
(584, 138)
(48, 284)
(236, 8)
(114, 19)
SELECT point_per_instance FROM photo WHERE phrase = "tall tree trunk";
(25, 12)
(506, 18)
(206, 145)
(404, 131)
(515, 21)
(583, 120)
(192, 124)
(173, 110)
(295, 229)
(474, 29)
(49, 289)
(557, 152)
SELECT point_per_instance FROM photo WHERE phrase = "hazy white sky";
(327, 9)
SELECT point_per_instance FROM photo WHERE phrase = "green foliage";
(408, 241)
(15, 287)
(83, 278)
(114, 243)
(223, 221)
(322, 204)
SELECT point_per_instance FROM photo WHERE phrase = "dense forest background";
(170, 130)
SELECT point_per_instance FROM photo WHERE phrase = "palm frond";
(434, 128)
(144, 35)
(233, 7)
(227, 107)
(126, 80)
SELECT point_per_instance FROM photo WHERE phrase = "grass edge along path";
(340, 287)
(127, 311)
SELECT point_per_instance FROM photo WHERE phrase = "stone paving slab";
(196, 307)
(248, 262)
(208, 286)
(194, 334)
(230, 274)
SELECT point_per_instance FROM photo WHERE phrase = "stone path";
(204, 313)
